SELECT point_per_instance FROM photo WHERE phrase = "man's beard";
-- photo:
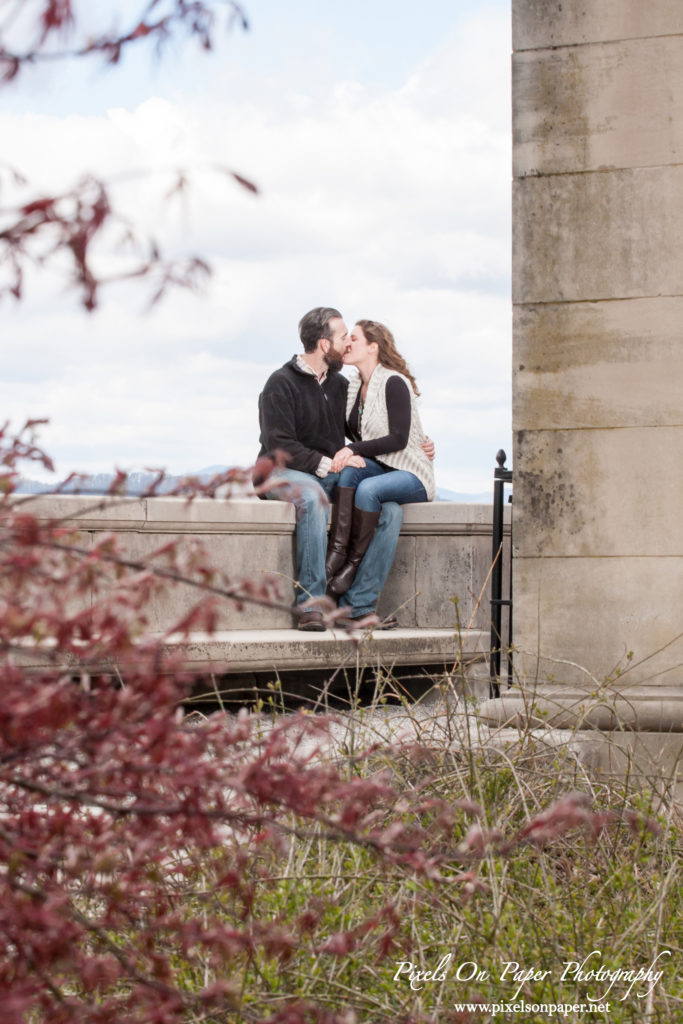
(333, 359)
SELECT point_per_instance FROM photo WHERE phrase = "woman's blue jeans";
(376, 484)
(311, 495)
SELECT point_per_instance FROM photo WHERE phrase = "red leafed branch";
(70, 227)
(55, 24)
(76, 231)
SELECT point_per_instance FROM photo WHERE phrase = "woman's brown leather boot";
(337, 546)
(362, 531)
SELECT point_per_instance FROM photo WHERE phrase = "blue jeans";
(311, 495)
(376, 484)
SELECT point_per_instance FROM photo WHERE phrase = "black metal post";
(501, 476)
(510, 604)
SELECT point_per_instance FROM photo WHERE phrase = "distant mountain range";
(137, 483)
(140, 482)
(470, 499)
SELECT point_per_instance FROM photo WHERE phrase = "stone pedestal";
(598, 354)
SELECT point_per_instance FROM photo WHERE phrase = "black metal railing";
(501, 477)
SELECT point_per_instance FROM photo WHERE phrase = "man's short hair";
(316, 325)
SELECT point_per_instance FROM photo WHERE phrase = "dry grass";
(614, 889)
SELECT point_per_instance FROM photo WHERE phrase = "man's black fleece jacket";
(302, 417)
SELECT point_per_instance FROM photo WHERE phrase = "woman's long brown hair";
(388, 356)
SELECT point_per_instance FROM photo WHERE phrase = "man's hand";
(345, 457)
(428, 448)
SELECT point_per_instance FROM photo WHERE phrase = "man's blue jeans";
(311, 495)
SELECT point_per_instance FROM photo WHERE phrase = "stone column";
(598, 355)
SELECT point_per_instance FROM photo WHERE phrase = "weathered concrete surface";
(283, 650)
(597, 483)
(597, 358)
(601, 107)
(543, 23)
(587, 363)
(602, 236)
(606, 709)
(444, 553)
(262, 557)
(587, 614)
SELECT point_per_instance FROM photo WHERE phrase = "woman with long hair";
(383, 422)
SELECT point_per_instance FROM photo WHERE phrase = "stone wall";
(444, 551)
(598, 358)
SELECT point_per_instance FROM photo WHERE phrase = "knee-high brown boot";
(362, 531)
(340, 532)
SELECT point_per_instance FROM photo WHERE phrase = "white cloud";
(392, 203)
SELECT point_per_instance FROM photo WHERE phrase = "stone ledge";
(263, 650)
(443, 553)
(240, 515)
(284, 649)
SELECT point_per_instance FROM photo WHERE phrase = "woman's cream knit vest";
(375, 423)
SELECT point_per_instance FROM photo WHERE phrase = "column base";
(636, 708)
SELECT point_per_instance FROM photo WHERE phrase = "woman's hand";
(428, 448)
(345, 457)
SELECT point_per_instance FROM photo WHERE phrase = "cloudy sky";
(378, 135)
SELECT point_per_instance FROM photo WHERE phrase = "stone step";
(262, 650)
(281, 650)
